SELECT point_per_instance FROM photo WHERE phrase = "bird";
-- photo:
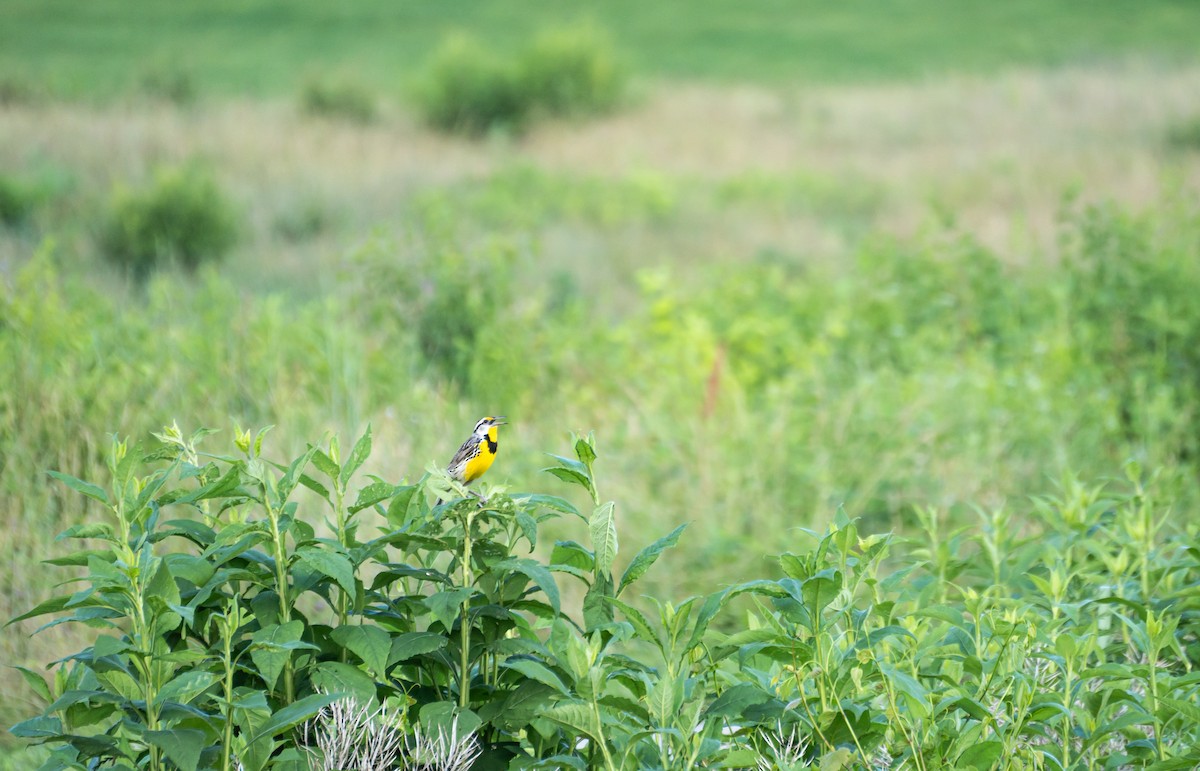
(475, 456)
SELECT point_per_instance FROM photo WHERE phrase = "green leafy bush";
(234, 634)
(467, 90)
(571, 71)
(182, 218)
(566, 71)
(338, 97)
(17, 201)
(1185, 134)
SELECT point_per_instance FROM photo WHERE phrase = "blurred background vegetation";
(782, 257)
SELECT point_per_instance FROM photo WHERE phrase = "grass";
(925, 285)
(262, 48)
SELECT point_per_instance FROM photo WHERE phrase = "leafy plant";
(571, 71)
(467, 90)
(182, 218)
(338, 97)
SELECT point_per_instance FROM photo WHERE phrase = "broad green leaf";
(268, 652)
(574, 555)
(316, 487)
(445, 716)
(36, 682)
(89, 530)
(447, 605)
(570, 476)
(585, 451)
(537, 671)
(336, 677)
(409, 644)
(597, 606)
(982, 755)
(52, 605)
(330, 564)
(552, 502)
(369, 643)
(87, 488)
(640, 625)
(293, 715)
(1175, 707)
(603, 526)
(405, 506)
(326, 465)
(371, 495)
(37, 728)
(821, 589)
(182, 746)
(535, 572)
(735, 699)
(362, 449)
(186, 687)
(647, 557)
(527, 701)
(576, 716)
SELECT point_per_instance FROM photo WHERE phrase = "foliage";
(182, 218)
(468, 90)
(263, 47)
(338, 97)
(570, 71)
(170, 82)
(567, 71)
(229, 621)
(17, 200)
(1185, 134)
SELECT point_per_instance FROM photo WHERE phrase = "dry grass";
(997, 151)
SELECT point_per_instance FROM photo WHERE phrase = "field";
(822, 276)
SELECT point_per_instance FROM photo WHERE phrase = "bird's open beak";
(500, 421)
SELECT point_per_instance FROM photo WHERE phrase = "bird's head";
(487, 426)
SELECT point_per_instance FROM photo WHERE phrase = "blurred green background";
(782, 257)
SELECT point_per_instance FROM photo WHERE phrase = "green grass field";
(267, 48)
(930, 266)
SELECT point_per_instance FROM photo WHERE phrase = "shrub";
(169, 82)
(570, 71)
(1185, 135)
(338, 97)
(467, 90)
(183, 218)
(16, 201)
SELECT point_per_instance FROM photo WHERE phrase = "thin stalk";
(281, 588)
(464, 674)
(227, 746)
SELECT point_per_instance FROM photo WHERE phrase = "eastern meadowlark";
(475, 456)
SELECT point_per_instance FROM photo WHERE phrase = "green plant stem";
(464, 628)
(281, 588)
(227, 746)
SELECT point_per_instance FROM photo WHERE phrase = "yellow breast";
(483, 460)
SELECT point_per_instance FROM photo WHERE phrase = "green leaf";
(37, 728)
(603, 526)
(316, 487)
(585, 452)
(369, 643)
(36, 682)
(362, 449)
(537, 573)
(87, 488)
(1177, 707)
(981, 755)
(535, 670)
(410, 644)
(447, 605)
(183, 746)
(52, 605)
(443, 716)
(186, 687)
(647, 557)
(597, 605)
(821, 589)
(576, 716)
(405, 506)
(330, 564)
(526, 702)
(336, 677)
(570, 476)
(640, 624)
(734, 700)
(371, 495)
(269, 652)
(326, 465)
(89, 530)
(552, 502)
(293, 715)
